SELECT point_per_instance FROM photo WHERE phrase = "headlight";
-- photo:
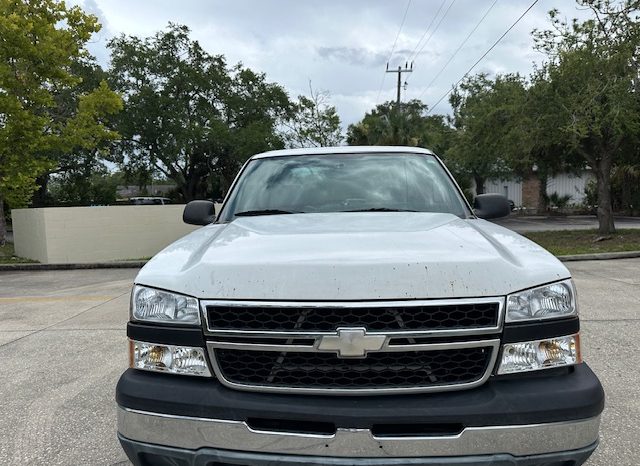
(185, 360)
(544, 302)
(540, 354)
(151, 305)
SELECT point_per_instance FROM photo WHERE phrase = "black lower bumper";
(147, 455)
(161, 416)
(522, 400)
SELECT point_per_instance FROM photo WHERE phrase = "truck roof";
(343, 150)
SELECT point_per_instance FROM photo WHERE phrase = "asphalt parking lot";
(63, 346)
(524, 224)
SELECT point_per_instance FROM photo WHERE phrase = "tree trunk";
(189, 188)
(605, 207)
(3, 225)
(479, 184)
(40, 197)
(186, 196)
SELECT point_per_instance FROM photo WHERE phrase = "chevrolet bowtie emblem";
(351, 342)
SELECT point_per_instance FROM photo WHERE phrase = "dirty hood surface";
(351, 256)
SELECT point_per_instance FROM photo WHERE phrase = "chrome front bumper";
(192, 433)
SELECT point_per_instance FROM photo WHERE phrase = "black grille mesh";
(444, 317)
(376, 371)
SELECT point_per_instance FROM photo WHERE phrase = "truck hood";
(351, 256)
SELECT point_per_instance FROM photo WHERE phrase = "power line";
(459, 48)
(482, 57)
(434, 30)
(393, 48)
(428, 28)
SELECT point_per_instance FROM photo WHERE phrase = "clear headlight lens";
(151, 305)
(185, 360)
(544, 302)
(541, 354)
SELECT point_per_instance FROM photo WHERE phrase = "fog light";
(186, 360)
(540, 354)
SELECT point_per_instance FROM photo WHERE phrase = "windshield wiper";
(251, 213)
(380, 209)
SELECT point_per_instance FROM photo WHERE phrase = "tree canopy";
(41, 39)
(314, 122)
(406, 125)
(490, 137)
(187, 113)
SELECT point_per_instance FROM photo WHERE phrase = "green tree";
(187, 114)
(547, 150)
(40, 39)
(314, 123)
(593, 84)
(407, 125)
(490, 127)
(79, 162)
(95, 186)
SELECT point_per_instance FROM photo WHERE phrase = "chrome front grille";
(353, 348)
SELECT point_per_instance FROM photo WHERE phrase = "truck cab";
(347, 306)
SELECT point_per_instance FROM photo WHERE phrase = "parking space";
(63, 346)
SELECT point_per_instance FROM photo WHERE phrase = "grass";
(568, 242)
(7, 256)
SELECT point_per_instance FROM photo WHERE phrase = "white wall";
(572, 185)
(95, 234)
(563, 184)
(29, 235)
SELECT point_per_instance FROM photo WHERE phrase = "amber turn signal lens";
(540, 354)
(185, 360)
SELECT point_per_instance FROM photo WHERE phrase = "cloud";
(353, 55)
(97, 44)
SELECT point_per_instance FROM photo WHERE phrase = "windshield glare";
(343, 183)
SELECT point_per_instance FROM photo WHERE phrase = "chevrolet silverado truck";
(347, 306)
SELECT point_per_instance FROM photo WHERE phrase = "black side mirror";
(199, 213)
(491, 206)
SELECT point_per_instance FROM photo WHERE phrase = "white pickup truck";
(347, 306)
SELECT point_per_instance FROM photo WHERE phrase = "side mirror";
(199, 213)
(491, 206)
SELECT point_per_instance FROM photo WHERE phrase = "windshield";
(343, 183)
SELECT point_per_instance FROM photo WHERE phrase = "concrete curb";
(138, 264)
(92, 265)
(601, 256)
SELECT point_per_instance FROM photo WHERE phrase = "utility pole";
(400, 70)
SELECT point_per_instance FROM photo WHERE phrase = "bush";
(558, 201)
(590, 201)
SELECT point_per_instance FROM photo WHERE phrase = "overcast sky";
(343, 46)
